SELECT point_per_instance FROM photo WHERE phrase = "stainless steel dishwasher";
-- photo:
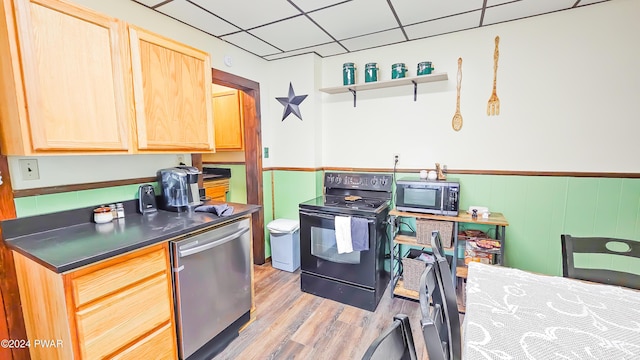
(212, 287)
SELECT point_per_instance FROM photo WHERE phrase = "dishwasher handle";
(207, 246)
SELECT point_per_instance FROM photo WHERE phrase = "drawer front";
(109, 279)
(116, 320)
(216, 193)
(159, 345)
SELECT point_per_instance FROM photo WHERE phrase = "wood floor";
(290, 324)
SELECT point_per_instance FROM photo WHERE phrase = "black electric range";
(357, 278)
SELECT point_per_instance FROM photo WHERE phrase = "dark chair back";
(450, 303)
(395, 343)
(598, 245)
(435, 328)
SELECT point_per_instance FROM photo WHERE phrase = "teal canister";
(398, 71)
(371, 72)
(424, 68)
(348, 74)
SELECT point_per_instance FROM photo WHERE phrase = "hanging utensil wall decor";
(456, 122)
(493, 106)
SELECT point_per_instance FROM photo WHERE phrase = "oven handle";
(324, 216)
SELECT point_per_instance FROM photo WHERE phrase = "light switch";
(29, 169)
(266, 152)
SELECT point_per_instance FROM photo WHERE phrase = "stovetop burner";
(338, 205)
(360, 203)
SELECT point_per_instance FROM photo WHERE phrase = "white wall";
(62, 170)
(293, 142)
(568, 83)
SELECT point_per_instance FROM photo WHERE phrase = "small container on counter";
(120, 210)
(102, 215)
(114, 212)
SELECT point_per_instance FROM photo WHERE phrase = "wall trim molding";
(471, 172)
(106, 184)
(80, 187)
(209, 162)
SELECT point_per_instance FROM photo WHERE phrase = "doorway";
(253, 151)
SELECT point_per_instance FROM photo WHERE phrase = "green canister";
(398, 71)
(424, 68)
(348, 74)
(371, 72)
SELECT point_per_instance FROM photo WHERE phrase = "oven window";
(323, 245)
(420, 197)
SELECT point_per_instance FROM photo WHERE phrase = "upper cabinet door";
(74, 71)
(172, 91)
(229, 122)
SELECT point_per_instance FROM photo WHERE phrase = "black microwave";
(440, 197)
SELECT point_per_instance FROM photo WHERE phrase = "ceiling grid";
(275, 29)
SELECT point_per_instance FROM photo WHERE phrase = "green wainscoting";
(539, 209)
(44, 204)
(290, 189)
(267, 199)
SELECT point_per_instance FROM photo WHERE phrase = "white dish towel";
(343, 234)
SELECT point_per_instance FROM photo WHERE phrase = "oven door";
(319, 253)
(419, 198)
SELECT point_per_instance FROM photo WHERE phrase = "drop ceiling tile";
(443, 26)
(355, 18)
(589, 2)
(196, 17)
(414, 11)
(149, 3)
(498, 2)
(292, 34)
(248, 14)
(250, 43)
(374, 40)
(322, 50)
(310, 5)
(522, 9)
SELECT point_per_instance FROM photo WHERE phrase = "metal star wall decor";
(291, 103)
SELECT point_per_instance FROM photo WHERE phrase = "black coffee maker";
(179, 188)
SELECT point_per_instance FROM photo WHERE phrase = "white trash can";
(285, 244)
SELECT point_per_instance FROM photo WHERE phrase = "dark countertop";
(214, 173)
(66, 248)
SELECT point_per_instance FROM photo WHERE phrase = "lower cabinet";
(120, 308)
(216, 189)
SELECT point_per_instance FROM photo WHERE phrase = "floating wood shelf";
(415, 80)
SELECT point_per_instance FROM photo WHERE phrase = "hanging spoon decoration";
(456, 122)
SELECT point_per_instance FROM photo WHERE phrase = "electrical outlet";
(181, 159)
(396, 158)
(29, 169)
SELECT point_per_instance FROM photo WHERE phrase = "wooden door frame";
(252, 152)
(12, 326)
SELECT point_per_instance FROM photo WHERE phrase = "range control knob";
(374, 181)
(384, 181)
(338, 180)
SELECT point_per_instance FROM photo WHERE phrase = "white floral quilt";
(513, 314)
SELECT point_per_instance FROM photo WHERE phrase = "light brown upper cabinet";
(73, 81)
(229, 122)
(172, 88)
(64, 80)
